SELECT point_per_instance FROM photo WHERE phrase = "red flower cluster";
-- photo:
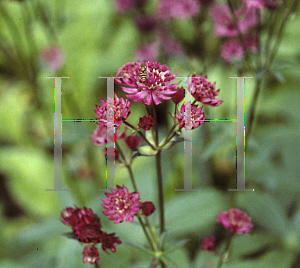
(146, 122)
(148, 208)
(87, 229)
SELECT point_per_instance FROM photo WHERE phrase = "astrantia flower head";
(52, 58)
(250, 42)
(177, 9)
(205, 91)
(146, 23)
(73, 216)
(121, 205)
(120, 109)
(209, 243)
(197, 116)
(109, 241)
(254, 3)
(146, 122)
(147, 52)
(100, 138)
(129, 73)
(91, 255)
(156, 85)
(232, 50)
(236, 221)
(169, 44)
(133, 141)
(147, 208)
(124, 5)
(88, 233)
(178, 96)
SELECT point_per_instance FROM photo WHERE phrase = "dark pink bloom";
(72, 217)
(109, 241)
(147, 52)
(121, 110)
(155, 85)
(223, 20)
(209, 243)
(147, 208)
(124, 5)
(169, 44)
(254, 3)
(197, 116)
(133, 141)
(232, 50)
(146, 122)
(179, 95)
(121, 205)
(177, 9)
(250, 42)
(99, 137)
(129, 73)
(91, 255)
(116, 154)
(88, 233)
(52, 57)
(205, 91)
(236, 221)
(146, 23)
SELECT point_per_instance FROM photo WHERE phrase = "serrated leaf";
(70, 235)
(171, 143)
(162, 239)
(177, 245)
(281, 64)
(170, 263)
(145, 151)
(278, 75)
(140, 247)
(150, 137)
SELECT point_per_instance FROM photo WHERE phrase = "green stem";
(96, 265)
(226, 250)
(279, 36)
(252, 110)
(141, 134)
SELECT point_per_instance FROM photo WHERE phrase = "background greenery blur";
(96, 41)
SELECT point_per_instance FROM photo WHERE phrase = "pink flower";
(116, 154)
(147, 52)
(99, 137)
(52, 57)
(121, 110)
(129, 73)
(209, 243)
(124, 5)
(178, 9)
(250, 42)
(121, 205)
(179, 95)
(72, 217)
(147, 208)
(91, 255)
(204, 91)
(232, 50)
(254, 3)
(146, 23)
(109, 241)
(155, 85)
(236, 221)
(197, 116)
(88, 233)
(223, 20)
(169, 44)
(146, 122)
(133, 141)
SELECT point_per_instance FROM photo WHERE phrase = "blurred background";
(88, 39)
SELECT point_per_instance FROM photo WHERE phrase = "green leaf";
(278, 75)
(177, 245)
(70, 235)
(145, 151)
(140, 247)
(171, 143)
(149, 136)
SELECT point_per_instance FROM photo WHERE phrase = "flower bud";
(133, 141)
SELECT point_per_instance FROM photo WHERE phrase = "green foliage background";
(97, 42)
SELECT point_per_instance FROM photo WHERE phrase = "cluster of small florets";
(234, 220)
(86, 227)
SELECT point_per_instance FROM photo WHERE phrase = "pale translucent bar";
(240, 130)
(57, 137)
